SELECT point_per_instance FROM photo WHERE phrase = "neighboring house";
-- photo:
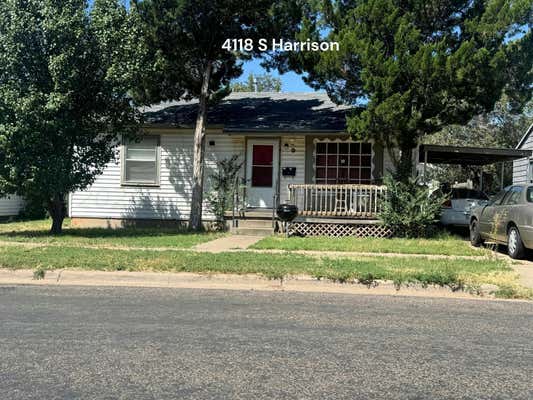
(523, 168)
(10, 206)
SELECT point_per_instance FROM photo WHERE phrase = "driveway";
(133, 343)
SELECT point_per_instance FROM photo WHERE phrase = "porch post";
(481, 178)
(502, 173)
(425, 163)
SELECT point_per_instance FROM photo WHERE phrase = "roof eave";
(524, 138)
(247, 131)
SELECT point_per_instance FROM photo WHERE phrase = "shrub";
(220, 198)
(39, 273)
(34, 208)
(409, 210)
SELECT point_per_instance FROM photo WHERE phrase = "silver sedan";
(506, 219)
(456, 210)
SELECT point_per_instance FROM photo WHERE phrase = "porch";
(347, 202)
(337, 210)
(332, 210)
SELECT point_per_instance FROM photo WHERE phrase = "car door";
(508, 211)
(524, 217)
(487, 216)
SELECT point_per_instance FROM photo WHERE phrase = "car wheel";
(515, 246)
(475, 236)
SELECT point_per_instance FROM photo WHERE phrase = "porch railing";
(239, 200)
(356, 201)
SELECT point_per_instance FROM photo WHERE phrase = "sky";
(290, 82)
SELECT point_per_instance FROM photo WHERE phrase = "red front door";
(262, 171)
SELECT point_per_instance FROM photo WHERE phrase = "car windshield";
(468, 194)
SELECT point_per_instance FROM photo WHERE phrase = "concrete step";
(255, 223)
(252, 231)
(258, 213)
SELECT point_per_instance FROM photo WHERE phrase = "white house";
(293, 146)
(523, 168)
(10, 206)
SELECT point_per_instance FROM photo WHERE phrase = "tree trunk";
(195, 219)
(404, 165)
(56, 209)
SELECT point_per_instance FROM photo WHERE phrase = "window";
(529, 194)
(496, 200)
(513, 197)
(262, 165)
(141, 162)
(462, 193)
(343, 162)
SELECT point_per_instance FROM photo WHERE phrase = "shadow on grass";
(92, 233)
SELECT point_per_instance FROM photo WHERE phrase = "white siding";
(10, 206)
(106, 198)
(520, 171)
(290, 159)
(521, 166)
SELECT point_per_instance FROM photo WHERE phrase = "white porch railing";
(356, 201)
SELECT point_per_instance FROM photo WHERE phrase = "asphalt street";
(132, 343)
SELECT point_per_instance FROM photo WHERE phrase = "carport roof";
(438, 154)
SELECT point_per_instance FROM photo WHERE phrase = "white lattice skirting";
(337, 230)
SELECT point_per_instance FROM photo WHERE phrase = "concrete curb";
(185, 280)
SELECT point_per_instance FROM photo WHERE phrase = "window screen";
(141, 164)
(343, 162)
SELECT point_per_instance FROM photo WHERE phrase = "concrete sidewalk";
(525, 270)
(228, 243)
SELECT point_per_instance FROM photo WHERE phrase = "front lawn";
(454, 273)
(38, 232)
(441, 245)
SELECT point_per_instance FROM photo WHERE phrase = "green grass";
(37, 232)
(445, 272)
(441, 245)
(66, 251)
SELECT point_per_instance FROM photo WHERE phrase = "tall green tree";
(412, 67)
(64, 78)
(187, 58)
(258, 83)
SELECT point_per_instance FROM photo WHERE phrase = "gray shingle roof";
(280, 112)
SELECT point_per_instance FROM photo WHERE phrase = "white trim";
(524, 138)
(157, 182)
(264, 199)
(529, 171)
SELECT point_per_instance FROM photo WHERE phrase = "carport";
(469, 156)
